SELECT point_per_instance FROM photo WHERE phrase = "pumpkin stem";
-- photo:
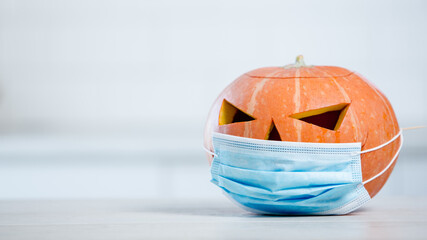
(299, 62)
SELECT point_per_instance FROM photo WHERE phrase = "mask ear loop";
(391, 162)
(384, 144)
(379, 146)
(208, 151)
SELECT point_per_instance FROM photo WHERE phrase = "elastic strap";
(391, 162)
(379, 146)
(208, 151)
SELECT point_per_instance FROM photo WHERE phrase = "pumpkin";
(300, 103)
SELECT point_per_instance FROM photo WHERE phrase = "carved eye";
(328, 117)
(231, 114)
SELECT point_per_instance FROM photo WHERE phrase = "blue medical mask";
(291, 178)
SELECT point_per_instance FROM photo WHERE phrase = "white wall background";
(67, 65)
(135, 79)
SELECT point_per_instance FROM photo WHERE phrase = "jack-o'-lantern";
(313, 104)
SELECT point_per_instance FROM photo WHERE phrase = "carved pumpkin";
(303, 103)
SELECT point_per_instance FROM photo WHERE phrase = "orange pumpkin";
(301, 103)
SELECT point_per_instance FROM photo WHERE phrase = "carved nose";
(272, 133)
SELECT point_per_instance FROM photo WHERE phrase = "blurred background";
(108, 99)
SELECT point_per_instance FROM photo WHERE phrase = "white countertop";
(382, 218)
(118, 191)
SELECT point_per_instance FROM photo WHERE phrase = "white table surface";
(382, 218)
(146, 186)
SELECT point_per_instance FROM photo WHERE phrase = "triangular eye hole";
(328, 117)
(273, 134)
(231, 114)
